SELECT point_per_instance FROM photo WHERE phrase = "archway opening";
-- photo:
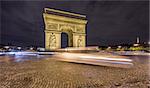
(64, 40)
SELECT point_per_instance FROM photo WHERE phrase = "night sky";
(109, 22)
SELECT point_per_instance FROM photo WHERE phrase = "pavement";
(47, 72)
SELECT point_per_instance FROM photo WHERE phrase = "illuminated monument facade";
(57, 22)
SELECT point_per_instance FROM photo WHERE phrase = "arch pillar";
(79, 40)
(52, 40)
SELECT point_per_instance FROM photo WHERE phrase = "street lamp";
(6, 47)
(19, 48)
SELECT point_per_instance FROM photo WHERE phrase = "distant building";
(137, 42)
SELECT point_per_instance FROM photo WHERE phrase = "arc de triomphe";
(57, 21)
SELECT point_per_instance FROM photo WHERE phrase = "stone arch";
(68, 30)
(57, 21)
(64, 40)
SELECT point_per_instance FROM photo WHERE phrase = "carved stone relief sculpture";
(52, 40)
(79, 41)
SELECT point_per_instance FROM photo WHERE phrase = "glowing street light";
(19, 48)
(119, 46)
(6, 47)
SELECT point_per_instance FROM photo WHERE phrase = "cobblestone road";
(50, 73)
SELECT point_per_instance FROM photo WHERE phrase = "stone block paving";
(50, 73)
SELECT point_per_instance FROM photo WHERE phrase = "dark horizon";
(109, 22)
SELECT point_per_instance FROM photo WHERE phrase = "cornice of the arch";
(63, 19)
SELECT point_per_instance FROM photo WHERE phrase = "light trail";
(95, 59)
(28, 53)
(90, 56)
(82, 58)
